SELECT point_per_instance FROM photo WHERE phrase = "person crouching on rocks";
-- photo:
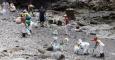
(12, 7)
(21, 20)
(98, 48)
(81, 47)
(42, 16)
(23, 23)
(27, 21)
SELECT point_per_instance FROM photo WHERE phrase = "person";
(67, 29)
(81, 47)
(56, 45)
(42, 16)
(77, 49)
(5, 9)
(66, 19)
(5, 5)
(99, 47)
(95, 41)
(12, 7)
(21, 20)
(30, 8)
(65, 41)
(27, 21)
(23, 23)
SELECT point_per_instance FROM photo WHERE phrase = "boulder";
(58, 55)
(70, 13)
(42, 50)
(44, 56)
(60, 6)
(112, 15)
(100, 5)
(71, 0)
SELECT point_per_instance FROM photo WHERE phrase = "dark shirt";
(42, 13)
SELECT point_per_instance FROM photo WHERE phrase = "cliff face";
(36, 3)
(63, 4)
(90, 4)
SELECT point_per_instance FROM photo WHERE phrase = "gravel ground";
(17, 47)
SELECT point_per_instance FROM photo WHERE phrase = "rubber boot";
(23, 34)
(102, 55)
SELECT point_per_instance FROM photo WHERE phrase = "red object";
(66, 19)
(95, 39)
(23, 20)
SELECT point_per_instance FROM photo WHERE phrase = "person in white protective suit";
(56, 45)
(81, 47)
(5, 9)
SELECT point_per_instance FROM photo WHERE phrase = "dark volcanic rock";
(60, 6)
